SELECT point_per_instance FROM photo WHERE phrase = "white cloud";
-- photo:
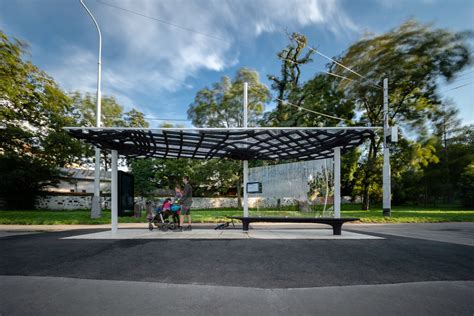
(155, 55)
(142, 56)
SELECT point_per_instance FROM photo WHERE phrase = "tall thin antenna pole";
(386, 154)
(95, 207)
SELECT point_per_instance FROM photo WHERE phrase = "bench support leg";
(336, 229)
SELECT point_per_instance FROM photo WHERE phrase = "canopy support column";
(114, 191)
(246, 195)
(337, 182)
(246, 163)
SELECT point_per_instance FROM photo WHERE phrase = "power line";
(334, 61)
(158, 119)
(338, 76)
(164, 22)
(458, 87)
(149, 118)
(459, 79)
(465, 74)
(332, 74)
(314, 112)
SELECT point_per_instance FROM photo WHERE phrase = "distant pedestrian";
(186, 202)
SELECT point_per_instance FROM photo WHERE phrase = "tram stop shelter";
(259, 143)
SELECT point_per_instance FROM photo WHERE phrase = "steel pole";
(386, 154)
(95, 207)
(114, 191)
(337, 182)
(246, 163)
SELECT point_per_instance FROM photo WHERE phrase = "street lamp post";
(96, 209)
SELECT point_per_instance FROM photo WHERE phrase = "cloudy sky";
(158, 53)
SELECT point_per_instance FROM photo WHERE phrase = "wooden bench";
(336, 223)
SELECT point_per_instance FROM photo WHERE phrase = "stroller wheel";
(164, 227)
(172, 226)
(150, 226)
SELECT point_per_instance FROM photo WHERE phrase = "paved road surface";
(46, 274)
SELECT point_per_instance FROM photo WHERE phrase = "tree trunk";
(239, 198)
(365, 198)
(371, 157)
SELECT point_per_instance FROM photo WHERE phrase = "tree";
(135, 118)
(112, 115)
(467, 185)
(413, 57)
(287, 86)
(34, 111)
(446, 125)
(222, 105)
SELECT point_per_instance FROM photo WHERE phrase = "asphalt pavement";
(250, 276)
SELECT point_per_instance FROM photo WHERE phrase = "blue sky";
(158, 68)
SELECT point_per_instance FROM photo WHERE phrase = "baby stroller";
(166, 217)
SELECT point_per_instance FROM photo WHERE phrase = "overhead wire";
(334, 61)
(326, 72)
(164, 21)
(458, 87)
(311, 111)
(151, 118)
(465, 74)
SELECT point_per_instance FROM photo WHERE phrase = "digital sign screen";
(254, 187)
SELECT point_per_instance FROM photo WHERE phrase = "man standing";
(186, 202)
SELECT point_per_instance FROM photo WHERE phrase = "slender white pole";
(337, 182)
(95, 209)
(386, 154)
(246, 103)
(246, 163)
(114, 191)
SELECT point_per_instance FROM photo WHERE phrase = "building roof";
(235, 143)
(85, 174)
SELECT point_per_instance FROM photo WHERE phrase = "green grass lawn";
(400, 214)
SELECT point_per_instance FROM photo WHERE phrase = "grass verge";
(400, 214)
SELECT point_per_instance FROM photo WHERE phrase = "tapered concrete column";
(246, 195)
(337, 182)
(114, 191)
(246, 163)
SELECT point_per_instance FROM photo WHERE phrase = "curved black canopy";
(235, 143)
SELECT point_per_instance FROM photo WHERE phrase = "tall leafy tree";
(33, 112)
(222, 104)
(112, 115)
(413, 57)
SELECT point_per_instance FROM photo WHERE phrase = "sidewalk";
(53, 228)
(72, 296)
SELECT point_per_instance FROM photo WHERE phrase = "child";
(178, 194)
(176, 207)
